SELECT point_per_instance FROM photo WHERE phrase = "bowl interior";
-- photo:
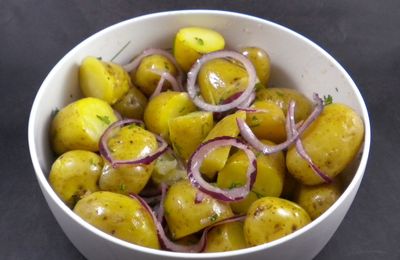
(296, 63)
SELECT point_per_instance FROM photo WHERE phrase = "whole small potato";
(104, 80)
(318, 198)
(164, 107)
(283, 96)
(192, 42)
(79, 125)
(128, 143)
(269, 123)
(261, 62)
(145, 77)
(216, 160)
(226, 237)
(196, 125)
(332, 141)
(219, 79)
(269, 180)
(75, 174)
(271, 218)
(132, 104)
(120, 216)
(185, 216)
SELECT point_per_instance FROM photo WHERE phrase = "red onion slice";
(167, 244)
(153, 51)
(159, 87)
(106, 153)
(200, 154)
(249, 136)
(194, 71)
(292, 130)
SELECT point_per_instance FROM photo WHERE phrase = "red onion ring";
(160, 212)
(167, 244)
(106, 153)
(153, 51)
(200, 154)
(292, 130)
(194, 71)
(249, 136)
(159, 87)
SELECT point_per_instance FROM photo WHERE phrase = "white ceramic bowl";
(296, 61)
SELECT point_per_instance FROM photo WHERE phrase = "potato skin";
(332, 141)
(132, 104)
(79, 125)
(261, 61)
(120, 216)
(318, 198)
(271, 218)
(75, 174)
(283, 96)
(185, 217)
(226, 237)
(104, 80)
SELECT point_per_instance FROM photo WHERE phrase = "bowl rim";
(41, 177)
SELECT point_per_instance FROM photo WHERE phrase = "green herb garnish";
(106, 120)
(199, 40)
(122, 187)
(214, 217)
(121, 50)
(327, 100)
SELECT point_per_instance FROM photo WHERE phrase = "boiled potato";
(215, 161)
(195, 125)
(318, 198)
(146, 78)
(220, 79)
(271, 218)
(332, 141)
(184, 216)
(269, 123)
(128, 143)
(79, 125)
(226, 237)
(261, 62)
(164, 107)
(104, 80)
(269, 180)
(119, 216)
(167, 170)
(75, 174)
(132, 104)
(192, 42)
(283, 96)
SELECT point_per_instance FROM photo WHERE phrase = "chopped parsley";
(106, 120)
(122, 187)
(327, 100)
(199, 41)
(235, 185)
(259, 195)
(258, 86)
(214, 217)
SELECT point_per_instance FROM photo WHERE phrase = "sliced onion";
(194, 71)
(248, 101)
(168, 244)
(159, 87)
(106, 153)
(201, 153)
(153, 51)
(160, 212)
(249, 136)
(292, 130)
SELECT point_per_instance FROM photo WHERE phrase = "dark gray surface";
(364, 36)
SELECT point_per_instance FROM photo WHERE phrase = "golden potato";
(271, 218)
(119, 216)
(283, 96)
(75, 174)
(192, 42)
(164, 107)
(79, 125)
(219, 79)
(332, 141)
(225, 237)
(184, 216)
(195, 125)
(146, 78)
(132, 104)
(318, 198)
(261, 62)
(104, 80)
(215, 161)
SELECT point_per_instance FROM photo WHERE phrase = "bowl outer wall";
(297, 62)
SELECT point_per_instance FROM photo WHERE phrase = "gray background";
(363, 36)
